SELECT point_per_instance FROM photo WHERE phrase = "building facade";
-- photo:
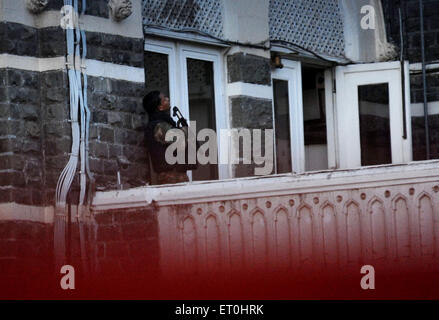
(348, 89)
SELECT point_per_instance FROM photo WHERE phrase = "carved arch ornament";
(36, 6)
(120, 9)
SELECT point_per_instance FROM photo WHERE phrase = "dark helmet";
(151, 101)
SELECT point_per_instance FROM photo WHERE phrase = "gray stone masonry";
(26, 258)
(262, 118)
(249, 69)
(19, 39)
(117, 131)
(119, 247)
(126, 241)
(35, 132)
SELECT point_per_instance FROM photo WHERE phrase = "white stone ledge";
(250, 89)
(14, 211)
(276, 185)
(94, 68)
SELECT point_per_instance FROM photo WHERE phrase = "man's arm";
(162, 128)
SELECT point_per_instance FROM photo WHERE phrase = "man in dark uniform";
(158, 107)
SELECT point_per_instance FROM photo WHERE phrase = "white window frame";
(178, 84)
(348, 78)
(292, 72)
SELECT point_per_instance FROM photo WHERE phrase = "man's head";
(156, 101)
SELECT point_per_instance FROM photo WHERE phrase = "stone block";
(5, 194)
(4, 97)
(110, 167)
(109, 267)
(12, 178)
(116, 249)
(99, 117)
(24, 95)
(144, 215)
(115, 119)
(135, 154)
(23, 78)
(127, 104)
(137, 122)
(32, 129)
(29, 147)
(38, 195)
(30, 112)
(52, 42)
(249, 69)
(107, 233)
(56, 163)
(98, 150)
(5, 144)
(3, 74)
(96, 166)
(22, 195)
(55, 95)
(103, 218)
(27, 48)
(57, 111)
(8, 248)
(58, 146)
(260, 109)
(7, 230)
(114, 151)
(106, 134)
(133, 231)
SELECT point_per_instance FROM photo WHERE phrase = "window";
(288, 118)
(314, 117)
(192, 76)
(370, 118)
(300, 117)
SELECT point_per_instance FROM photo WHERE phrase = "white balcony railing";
(329, 218)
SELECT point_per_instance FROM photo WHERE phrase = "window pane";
(314, 117)
(374, 124)
(202, 107)
(156, 72)
(282, 126)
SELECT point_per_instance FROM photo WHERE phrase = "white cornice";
(14, 211)
(278, 185)
(93, 68)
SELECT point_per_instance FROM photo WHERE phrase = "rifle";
(181, 120)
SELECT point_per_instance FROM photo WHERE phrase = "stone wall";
(117, 133)
(254, 70)
(107, 250)
(126, 241)
(35, 133)
(26, 258)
